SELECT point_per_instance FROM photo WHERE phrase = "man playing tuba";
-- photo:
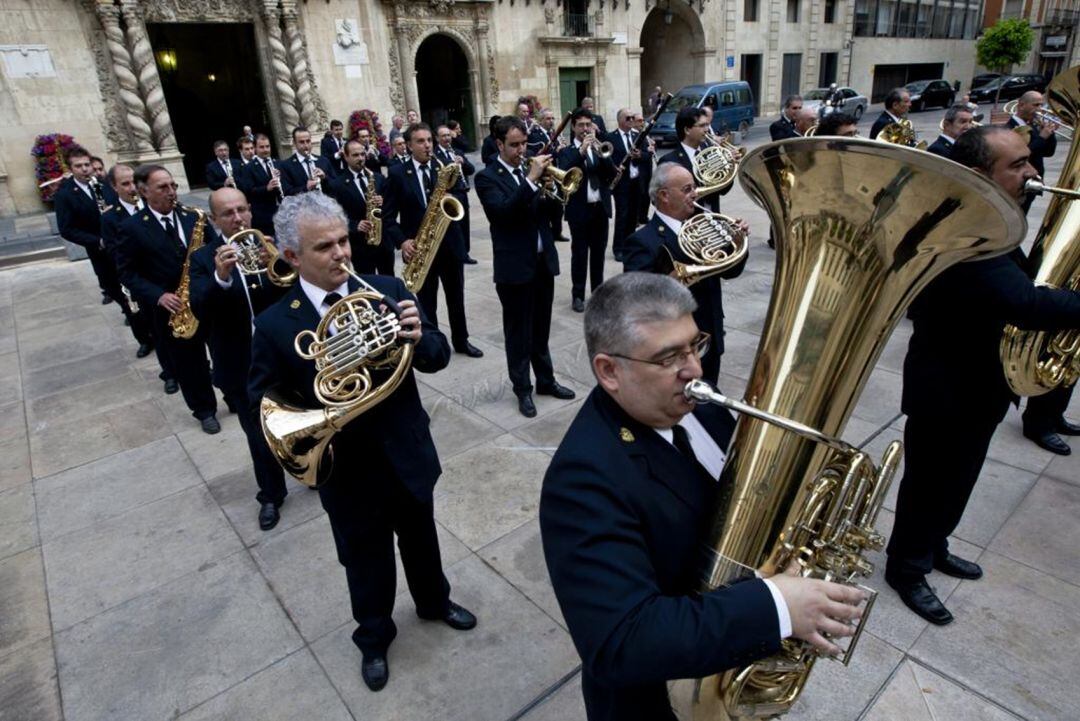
(384, 467)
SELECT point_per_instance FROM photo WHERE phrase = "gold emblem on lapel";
(625, 435)
(295, 304)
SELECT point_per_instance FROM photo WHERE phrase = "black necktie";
(330, 298)
(310, 172)
(170, 230)
(427, 180)
(682, 443)
(360, 185)
(519, 175)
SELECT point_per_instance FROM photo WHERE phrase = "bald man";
(229, 301)
(1042, 141)
(805, 118)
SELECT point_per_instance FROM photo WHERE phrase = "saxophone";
(183, 322)
(442, 208)
(374, 214)
(861, 228)
(1036, 362)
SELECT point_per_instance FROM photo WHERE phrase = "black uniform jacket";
(264, 203)
(882, 120)
(150, 263)
(110, 228)
(397, 427)
(516, 214)
(952, 362)
(353, 202)
(77, 215)
(602, 171)
(678, 155)
(1039, 146)
(328, 148)
(941, 147)
(226, 312)
(294, 175)
(404, 208)
(782, 128)
(618, 154)
(623, 517)
(215, 173)
(643, 252)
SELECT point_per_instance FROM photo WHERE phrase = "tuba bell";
(348, 366)
(861, 227)
(1036, 362)
(250, 244)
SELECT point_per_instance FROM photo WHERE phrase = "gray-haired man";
(385, 463)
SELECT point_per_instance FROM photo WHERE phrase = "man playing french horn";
(384, 466)
(674, 195)
(227, 302)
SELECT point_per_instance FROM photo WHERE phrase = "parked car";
(930, 94)
(1012, 87)
(850, 101)
(980, 80)
(732, 103)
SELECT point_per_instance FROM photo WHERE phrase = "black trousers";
(187, 364)
(555, 218)
(627, 199)
(588, 242)
(367, 504)
(1043, 413)
(268, 472)
(372, 259)
(526, 318)
(943, 455)
(450, 271)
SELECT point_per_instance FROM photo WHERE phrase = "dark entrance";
(212, 85)
(887, 77)
(750, 71)
(442, 80)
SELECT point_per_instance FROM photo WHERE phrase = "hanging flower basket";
(369, 119)
(48, 152)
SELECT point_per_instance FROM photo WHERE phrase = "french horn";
(901, 133)
(714, 243)
(860, 228)
(715, 168)
(349, 363)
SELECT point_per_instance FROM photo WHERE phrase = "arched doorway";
(442, 82)
(669, 39)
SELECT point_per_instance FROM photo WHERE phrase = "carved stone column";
(633, 76)
(407, 65)
(135, 114)
(149, 80)
(279, 62)
(301, 77)
(488, 90)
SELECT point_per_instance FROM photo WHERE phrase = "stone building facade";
(157, 80)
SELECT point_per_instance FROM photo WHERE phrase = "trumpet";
(1044, 115)
(603, 147)
(249, 244)
(558, 184)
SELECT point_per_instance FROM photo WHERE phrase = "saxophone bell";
(442, 209)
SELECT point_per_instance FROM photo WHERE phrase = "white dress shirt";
(174, 220)
(591, 195)
(84, 187)
(712, 458)
(317, 296)
(690, 152)
(433, 171)
(675, 225)
(628, 143)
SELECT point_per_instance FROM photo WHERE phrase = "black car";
(930, 93)
(1012, 87)
(980, 80)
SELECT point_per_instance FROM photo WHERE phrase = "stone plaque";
(349, 49)
(27, 61)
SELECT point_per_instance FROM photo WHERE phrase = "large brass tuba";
(442, 209)
(1036, 362)
(183, 322)
(861, 227)
(365, 343)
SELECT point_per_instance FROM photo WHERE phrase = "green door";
(573, 86)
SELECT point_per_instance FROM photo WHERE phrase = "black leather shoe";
(957, 567)
(171, 386)
(375, 671)
(268, 516)
(1050, 442)
(456, 617)
(556, 391)
(210, 425)
(526, 405)
(578, 305)
(145, 349)
(1068, 429)
(469, 260)
(470, 350)
(561, 239)
(920, 598)
(105, 300)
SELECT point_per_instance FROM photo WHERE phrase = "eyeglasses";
(675, 361)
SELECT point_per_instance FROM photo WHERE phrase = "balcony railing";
(576, 25)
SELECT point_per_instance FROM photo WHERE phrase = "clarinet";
(640, 140)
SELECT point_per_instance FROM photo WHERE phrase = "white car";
(850, 101)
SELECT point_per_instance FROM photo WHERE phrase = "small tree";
(1008, 42)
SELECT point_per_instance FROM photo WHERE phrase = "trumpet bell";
(605, 149)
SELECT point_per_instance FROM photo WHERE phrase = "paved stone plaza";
(136, 584)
